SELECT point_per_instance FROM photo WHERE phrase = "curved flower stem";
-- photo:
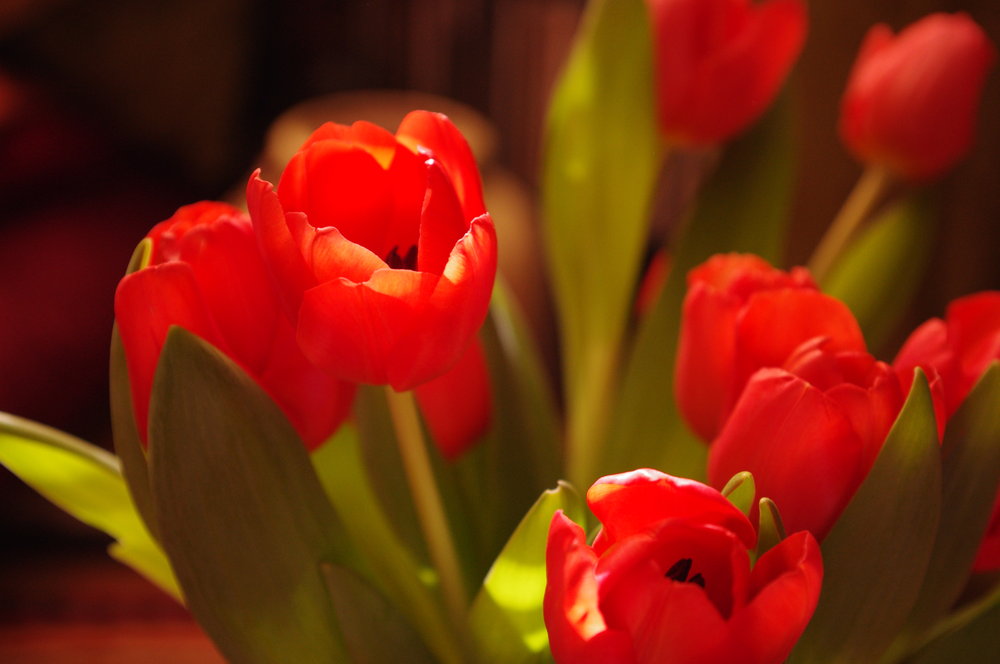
(427, 500)
(856, 209)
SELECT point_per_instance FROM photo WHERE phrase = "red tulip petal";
(315, 402)
(577, 632)
(798, 444)
(353, 330)
(235, 287)
(147, 304)
(340, 185)
(330, 254)
(671, 620)
(742, 275)
(974, 331)
(634, 502)
(785, 587)
(457, 405)
(291, 274)
(775, 323)
(435, 132)
(704, 378)
(441, 221)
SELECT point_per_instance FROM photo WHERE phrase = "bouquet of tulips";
(337, 441)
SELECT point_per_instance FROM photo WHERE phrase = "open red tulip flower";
(911, 99)
(669, 579)
(740, 315)
(719, 63)
(959, 349)
(381, 247)
(205, 275)
(809, 432)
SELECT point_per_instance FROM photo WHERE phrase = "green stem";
(427, 500)
(859, 205)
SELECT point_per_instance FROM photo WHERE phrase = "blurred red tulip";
(911, 99)
(669, 579)
(720, 63)
(959, 349)
(740, 315)
(205, 274)
(381, 247)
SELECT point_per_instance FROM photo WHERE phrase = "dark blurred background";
(113, 113)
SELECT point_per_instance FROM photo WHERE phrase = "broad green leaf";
(507, 614)
(740, 490)
(130, 451)
(876, 556)
(396, 572)
(880, 272)
(743, 207)
(771, 530)
(374, 631)
(86, 482)
(126, 434)
(601, 158)
(241, 512)
(973, 638)
(970, 476)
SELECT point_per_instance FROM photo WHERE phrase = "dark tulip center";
(679, 572)
(408, 261)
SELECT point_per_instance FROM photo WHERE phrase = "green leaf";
(740, 490)
(396, 573)
(876, 555)
(128, 446)
(600, 161)
(85, 481)
(971, 474)
(744, 207)
(771, 530)
(880, 272)
(601, 157)
(975, 638)
(507, 613)
(241, 512)
(374, 631)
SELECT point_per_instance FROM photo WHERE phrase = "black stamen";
(697, 579)
(679, 570)
(407, 262)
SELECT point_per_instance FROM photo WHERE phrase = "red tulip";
(959, 349)
(809, 432)
(205, 274)
(719, 63)
(911, 99)
(740, 315)
(381, 247)
(669, 579)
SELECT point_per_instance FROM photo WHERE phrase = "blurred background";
(114, 112)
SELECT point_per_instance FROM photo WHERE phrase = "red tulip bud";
(911, 99)
(719, 63)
